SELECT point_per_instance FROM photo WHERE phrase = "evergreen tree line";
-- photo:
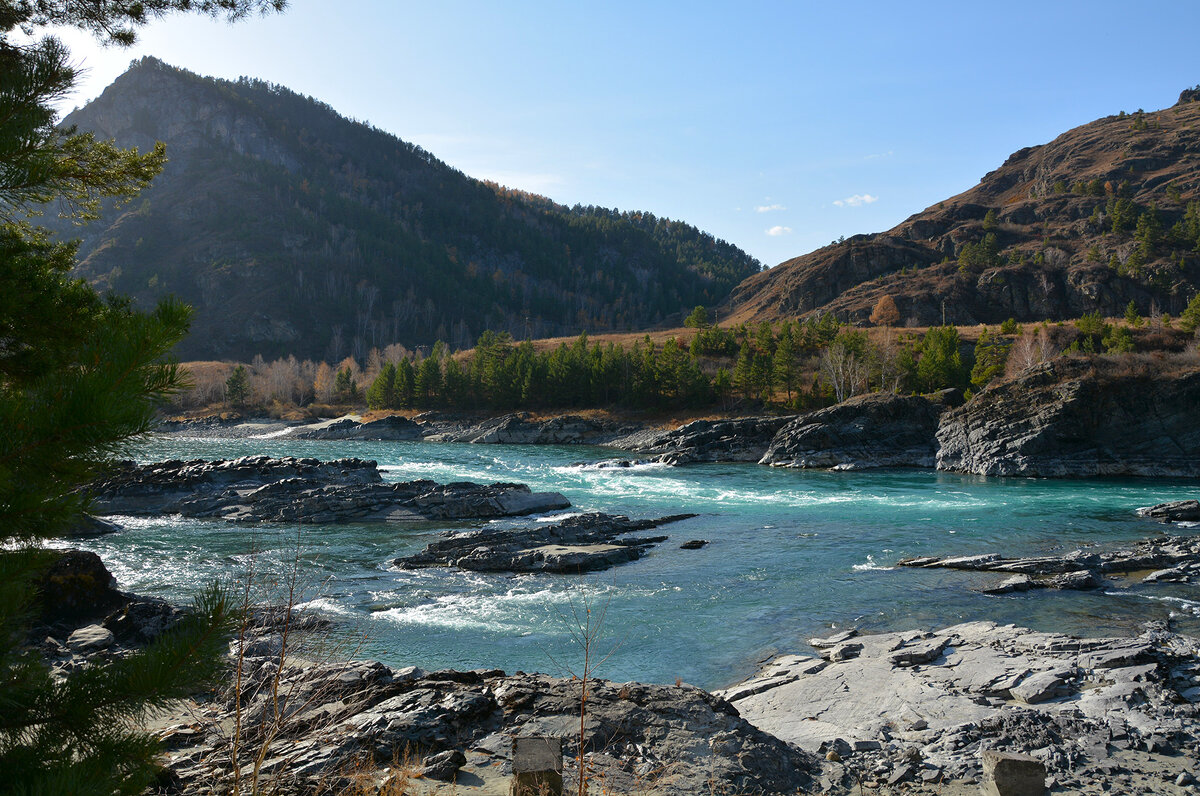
(798, 365)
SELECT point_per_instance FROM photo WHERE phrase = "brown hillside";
(1055, 253)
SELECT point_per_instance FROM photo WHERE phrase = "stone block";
(1008, 774)
(537, 765)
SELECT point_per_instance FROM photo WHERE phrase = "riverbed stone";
(90, 637)
(1009, 774)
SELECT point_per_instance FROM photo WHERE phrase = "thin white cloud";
(768, 208)
(878, 155)
(858, 200)
(775, 232)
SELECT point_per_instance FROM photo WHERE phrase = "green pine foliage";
(1119, 340)
(991, 355)
(1189, 320)
(940, 363)
(80, 377)
(237, 386)
(1132, 316)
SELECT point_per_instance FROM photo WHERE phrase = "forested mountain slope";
(1105, 214)
(293, 230)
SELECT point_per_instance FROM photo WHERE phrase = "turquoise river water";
(792, 554)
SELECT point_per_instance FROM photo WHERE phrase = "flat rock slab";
(1175, 511)
(1175, 558)
(264, 489)
(584, 543)
(947, 695)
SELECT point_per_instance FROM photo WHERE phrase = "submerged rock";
(584, 543)
(876, 430)
(263, 489)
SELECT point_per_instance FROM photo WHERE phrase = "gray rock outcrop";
(393, 428)
(675, 740)
(874, 430)
(1077, 418)
(925, 705)
(1175, 511)
(522, 428)
(743, 439)
(263, 489)
(584, 543)
(1175, 558)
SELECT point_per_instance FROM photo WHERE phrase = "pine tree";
(80, 378)
(991, 354)
(382, 392)
(786, 367)
(237, 386)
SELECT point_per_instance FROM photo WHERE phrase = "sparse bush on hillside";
(885, 312)
(1189, 320)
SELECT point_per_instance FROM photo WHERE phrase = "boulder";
(389, 429)
(1010, 774)
(443, 766)
(874, 430)
(77, 586)
(522, 428)
(89, 638)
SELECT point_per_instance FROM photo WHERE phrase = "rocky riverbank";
(908, 711)
(586, 543)
(342, 719)
(288, 489)
(1115, 714)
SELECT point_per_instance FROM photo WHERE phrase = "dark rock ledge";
(584, 543)
(265, 489)
(1168, 558)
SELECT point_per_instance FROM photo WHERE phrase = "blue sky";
(778, 126)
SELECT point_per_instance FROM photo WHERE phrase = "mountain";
(1105, 214)
(293, 230)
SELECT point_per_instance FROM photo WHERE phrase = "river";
(791, 554)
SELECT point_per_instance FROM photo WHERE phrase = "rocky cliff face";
(1081, 417)
(1060, 246)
